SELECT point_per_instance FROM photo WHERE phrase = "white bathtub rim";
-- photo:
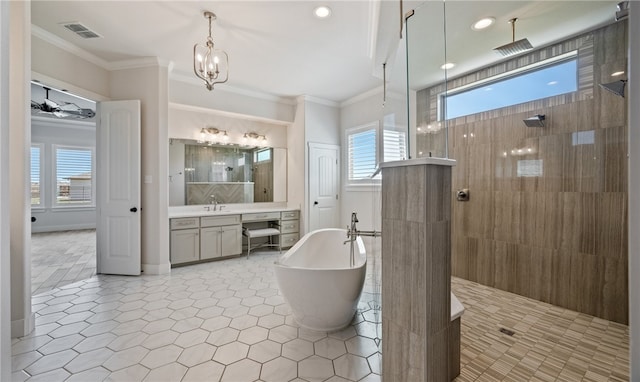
(361, 254)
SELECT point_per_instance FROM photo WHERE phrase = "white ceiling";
(280, 48)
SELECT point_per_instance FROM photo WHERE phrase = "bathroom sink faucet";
(214, 201)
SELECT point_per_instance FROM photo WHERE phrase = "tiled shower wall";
(555, 231)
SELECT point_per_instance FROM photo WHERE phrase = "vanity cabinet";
(289, 228)
(185, 240)
(209, 237)
(204, 238)
(220, 236)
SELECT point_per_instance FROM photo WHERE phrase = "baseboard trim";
(23, 326)
(156, 269)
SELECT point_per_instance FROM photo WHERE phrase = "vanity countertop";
(201, 210)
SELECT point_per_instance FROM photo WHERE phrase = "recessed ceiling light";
(322, 12)
(447, 66)
(483, 23)
(615, 74)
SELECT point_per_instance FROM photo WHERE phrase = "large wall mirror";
(201, 173)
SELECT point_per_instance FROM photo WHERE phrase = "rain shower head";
(514, 47)
(535, 121)
(616, 87)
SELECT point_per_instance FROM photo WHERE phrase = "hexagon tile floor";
(222, 321)
(225, 321)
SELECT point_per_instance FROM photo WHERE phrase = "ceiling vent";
(80, 30)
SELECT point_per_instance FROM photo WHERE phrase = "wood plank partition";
(416, 270)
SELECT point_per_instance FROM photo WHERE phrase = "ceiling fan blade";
(60, 114)
(50, 104)
(36, 106)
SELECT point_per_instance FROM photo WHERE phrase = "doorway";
(62, 188)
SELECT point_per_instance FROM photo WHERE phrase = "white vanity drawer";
(212, 221)
(184, 223)
(290, 215)
(288, 240)
(260, 216)
(288, 226)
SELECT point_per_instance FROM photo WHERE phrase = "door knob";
(133, 209)
(315, 203)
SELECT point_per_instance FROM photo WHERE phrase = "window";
(366, 145)
(552, 77)
(362, 153)
(36, 175)
(395, 145)
(263, 155)
(74, 176)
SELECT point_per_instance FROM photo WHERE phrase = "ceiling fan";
(61, 110)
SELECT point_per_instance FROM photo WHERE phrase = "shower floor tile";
(225, 321)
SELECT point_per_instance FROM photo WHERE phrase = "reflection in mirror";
(202, 173)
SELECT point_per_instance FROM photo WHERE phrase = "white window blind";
(362, 153)
(394, 145)
(74, 176)
(36, 180)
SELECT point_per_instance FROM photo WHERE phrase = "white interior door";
(118, 194)
(324, 186)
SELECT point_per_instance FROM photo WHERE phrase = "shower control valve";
(462, 195)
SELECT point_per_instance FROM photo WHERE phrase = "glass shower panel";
(426, 79)
(395, 112)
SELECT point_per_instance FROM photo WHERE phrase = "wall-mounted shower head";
(514, 47)
(616, 87)
(622, 10)
(535, 121)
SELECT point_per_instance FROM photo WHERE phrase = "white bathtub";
(316, 280)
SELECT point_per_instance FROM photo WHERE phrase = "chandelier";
(209, 64)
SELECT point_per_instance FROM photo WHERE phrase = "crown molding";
(143, 62)
(192, 80)
(56, 122)
(67, 46)
(199, 109)
(106, 65)
(362, 96)
(318, 100)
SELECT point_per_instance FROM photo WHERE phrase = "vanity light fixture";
(254, 139)
(208, 134)
(210, 64)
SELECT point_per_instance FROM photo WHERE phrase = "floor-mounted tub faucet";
(353, 233)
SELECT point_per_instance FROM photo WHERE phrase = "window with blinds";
(394, 145)
(36, 175)
(362, 153)
(367, 145)
(74, 176)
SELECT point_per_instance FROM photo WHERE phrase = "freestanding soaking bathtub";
(316, 279)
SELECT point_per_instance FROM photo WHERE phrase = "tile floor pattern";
(550, 343)
(61, 258)
(226, 321)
